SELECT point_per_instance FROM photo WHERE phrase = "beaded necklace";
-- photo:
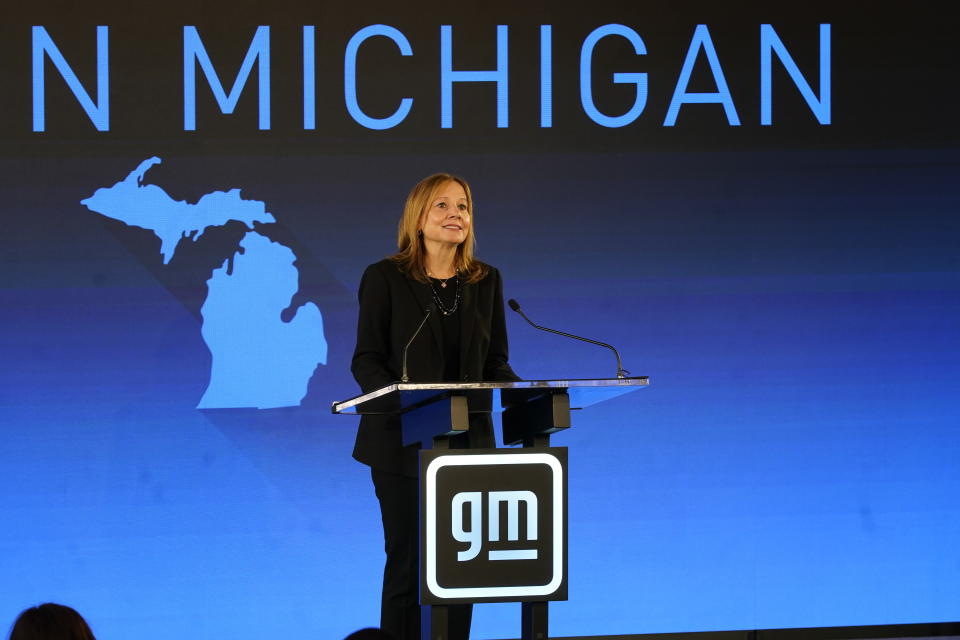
(444, 309)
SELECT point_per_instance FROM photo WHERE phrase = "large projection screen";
(757, 203)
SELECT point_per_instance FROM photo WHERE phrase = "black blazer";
(391, 307)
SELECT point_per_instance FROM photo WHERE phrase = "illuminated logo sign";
(493, 525)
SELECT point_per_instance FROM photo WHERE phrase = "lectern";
(493, 522)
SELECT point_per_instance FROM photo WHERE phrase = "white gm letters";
(475, 535)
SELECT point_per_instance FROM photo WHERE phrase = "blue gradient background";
(795, 462)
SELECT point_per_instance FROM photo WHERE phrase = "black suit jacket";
(391, 307)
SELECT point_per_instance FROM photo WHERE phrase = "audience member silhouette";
(369, 633)
(50, 622)
(58, 622)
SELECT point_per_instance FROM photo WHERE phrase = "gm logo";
(493, 525)
(494, 499)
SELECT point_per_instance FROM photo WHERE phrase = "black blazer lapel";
(468, 318)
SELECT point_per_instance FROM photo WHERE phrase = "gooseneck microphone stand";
(621, 372)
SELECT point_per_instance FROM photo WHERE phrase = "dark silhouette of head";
(369, 633)
(50, 622)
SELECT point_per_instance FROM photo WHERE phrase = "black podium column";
(432, 425)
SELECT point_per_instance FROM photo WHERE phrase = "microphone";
(621, 372)
(405, 377)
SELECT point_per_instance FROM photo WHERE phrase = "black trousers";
(399, 498)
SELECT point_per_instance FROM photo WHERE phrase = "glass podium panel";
(403, 396)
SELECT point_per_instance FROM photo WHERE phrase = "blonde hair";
(411, 257)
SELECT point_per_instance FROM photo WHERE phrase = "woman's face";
(447, 218)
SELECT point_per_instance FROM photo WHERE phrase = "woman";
(465, 340)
